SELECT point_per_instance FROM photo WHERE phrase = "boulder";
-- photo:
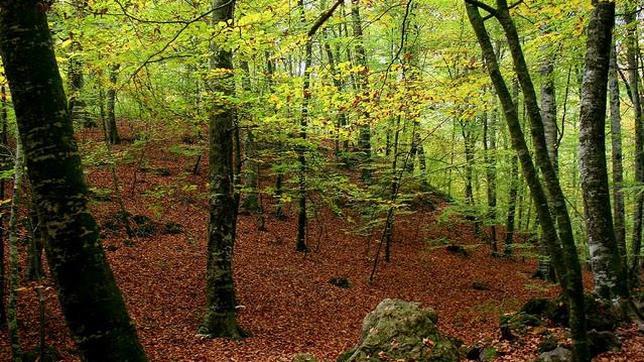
(602, 341)
(517, 323)
(399, 330)
(559, 354)
(599, 316)
(549, 343)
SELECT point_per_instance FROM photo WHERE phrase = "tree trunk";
(618, 169)
(14, 262)
(77, 106)
(4, 165)
(573, 282)
(489, 146)
(632, 63)
(549, 112)
(220, 317)
(564, 258)
(111, 130)
(608, 271)
(364, 141)
(91, 301)
(300, 242)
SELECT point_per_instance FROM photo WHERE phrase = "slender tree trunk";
(35, 269)
(513, 189)
(573, 282)
(566, 264)
(14, 267)
(468, 144)
(300, 243)
(220, 318)
(549, 111)
(77, 106)
(549, 116)
(608, 271)
(91, 301)
(111, 130)
(364, 142)
(489, 146)
(4, 165)
(618, 169)
(631, 42)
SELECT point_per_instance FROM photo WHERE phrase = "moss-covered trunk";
(90, 300)
(220, 317)
(608, 270)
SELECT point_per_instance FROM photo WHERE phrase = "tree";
(220, 318)
(91, 301)
(608, 270)
(561, 247)
(633, 83)
(617, 156)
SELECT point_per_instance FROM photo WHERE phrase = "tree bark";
(489, 146)
(91, 301)
(549, 112)
(111, 130)
(631, 42)
(618, 168)
(4, 165)
(220, 319)
(608, 271)
(77, 106)
(364, 141)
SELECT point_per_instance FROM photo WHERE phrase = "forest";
(321, 180)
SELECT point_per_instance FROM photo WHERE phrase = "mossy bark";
(91, 301)
(220, 316)
(608, 269)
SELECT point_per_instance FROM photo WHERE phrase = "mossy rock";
(304, 357)
(517, 323)
(599, 316)
(404, 331)
(604, 341)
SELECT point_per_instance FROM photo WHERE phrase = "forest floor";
(288, 304)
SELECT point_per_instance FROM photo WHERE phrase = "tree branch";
(484, 6)
(323, 18)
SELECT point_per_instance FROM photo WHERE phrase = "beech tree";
(91, 301)
(608, 269)
(220, 318)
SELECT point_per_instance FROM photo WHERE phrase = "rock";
(399, 330)
(517, 322)
(304, 357)
(559, 354)
(537, 306)
(549, 343)
(600, 316)
(340, 282)
(456, 249)
(474, 353)
(488, 354)
(604, 341)
(480, 286)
